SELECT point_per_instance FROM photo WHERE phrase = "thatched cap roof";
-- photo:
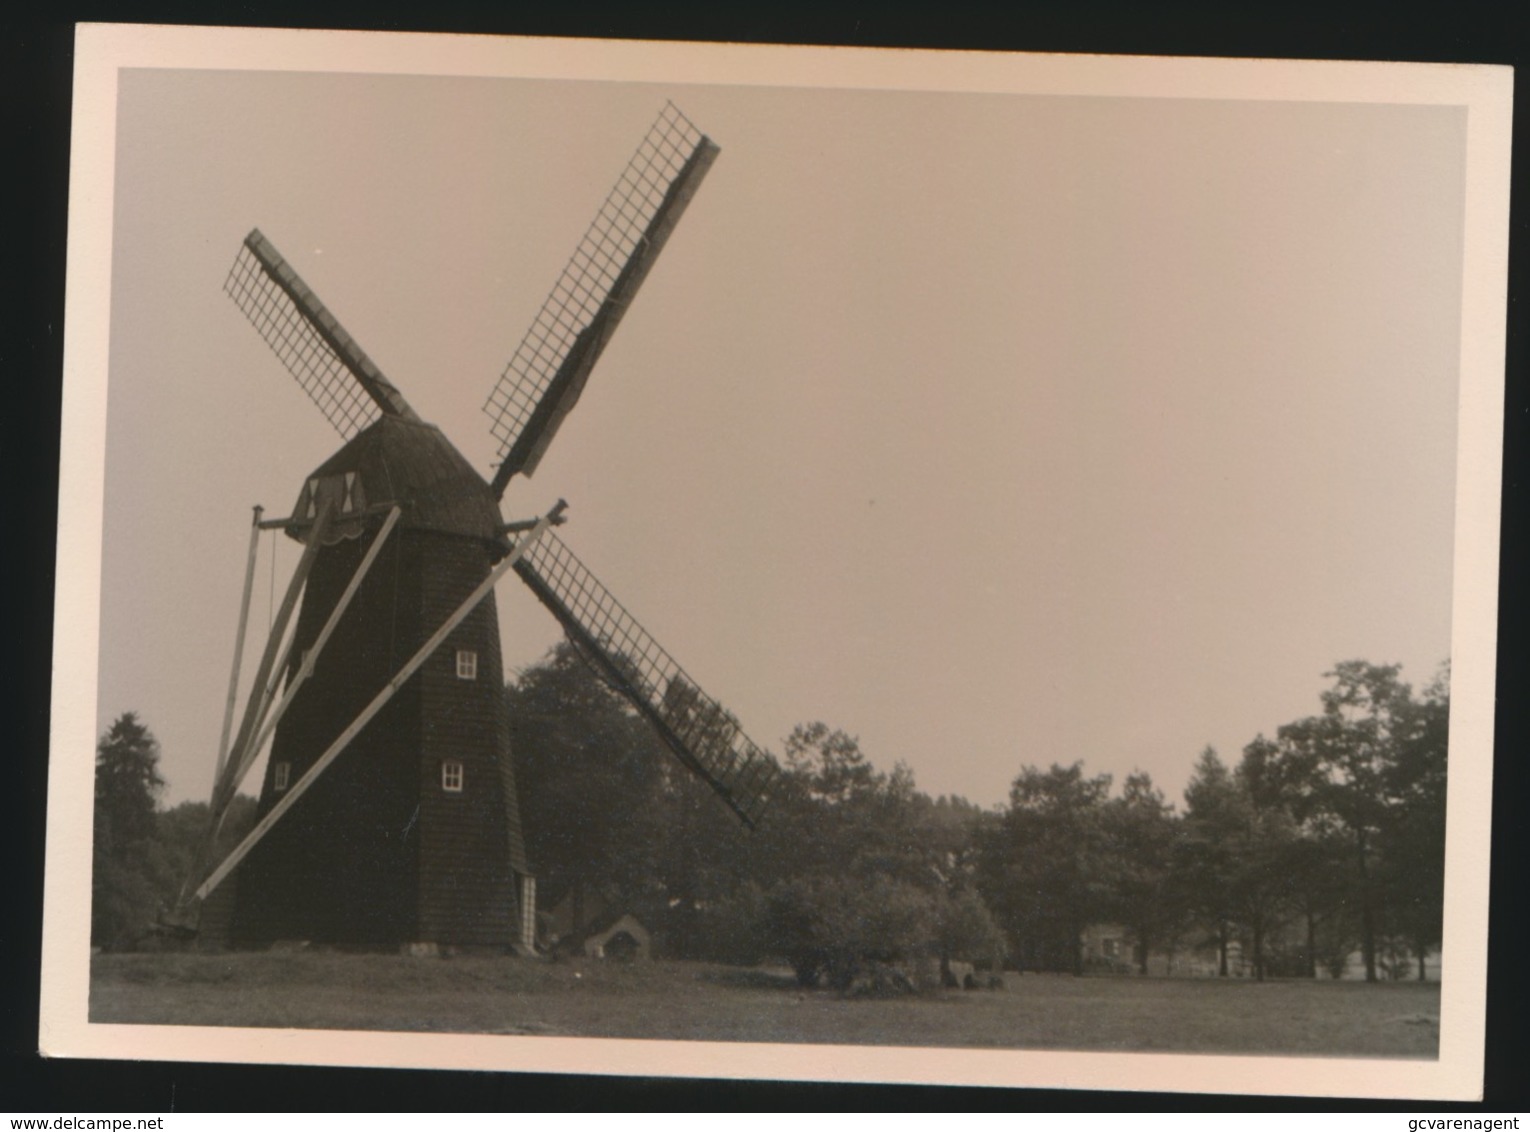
(410, 463)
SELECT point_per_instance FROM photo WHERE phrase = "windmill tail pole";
(227, 783)
(237, 762)
(379, 701)
(244, 620)
(233, 680)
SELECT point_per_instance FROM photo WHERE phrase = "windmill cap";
(395, 461)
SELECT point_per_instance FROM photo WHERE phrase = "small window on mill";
(467, 664)
(451, 776)
(280, 775)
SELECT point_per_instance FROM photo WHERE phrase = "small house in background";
(623, 940)
(1110, 949)
(597, 926)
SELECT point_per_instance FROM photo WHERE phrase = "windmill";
(388, 812)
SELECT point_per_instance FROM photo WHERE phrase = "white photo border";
(103, 50)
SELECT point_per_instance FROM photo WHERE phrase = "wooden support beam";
(262, 704)
(263, 722)
(310, 658)
(299, 788)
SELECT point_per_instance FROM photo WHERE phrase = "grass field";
(479, 994)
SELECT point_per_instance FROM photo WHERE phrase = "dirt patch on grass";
(502, 995)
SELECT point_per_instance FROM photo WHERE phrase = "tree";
(1045, 866)
(126, 873)
(589, 776)
(704, 861)
(1265, 852)
(850, 818)
(1141, 831)
(1412, 843)
(1320, 891)
(1205, 860)
(829, 764)
(180, 832)
(1240, 859)
(609, 812)
(864, 870)
(1338, 770)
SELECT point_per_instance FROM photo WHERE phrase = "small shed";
(598, 925)
(623, 940)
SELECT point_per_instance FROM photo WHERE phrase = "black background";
(36, 70)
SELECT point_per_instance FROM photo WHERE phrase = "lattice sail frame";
(548, 369)
(702, 734)
(329, 366)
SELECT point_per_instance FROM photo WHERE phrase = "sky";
(996, 430)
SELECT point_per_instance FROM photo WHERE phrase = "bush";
(834, 930)
(967, 930)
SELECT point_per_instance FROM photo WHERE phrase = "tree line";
(1324, 840)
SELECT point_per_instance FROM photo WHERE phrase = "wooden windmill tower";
(388, 813)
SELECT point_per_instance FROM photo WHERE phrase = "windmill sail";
(332, 369)
(702, 734)
(548, 371)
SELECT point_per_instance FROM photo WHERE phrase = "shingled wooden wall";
(377, 853)
(466, 882)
